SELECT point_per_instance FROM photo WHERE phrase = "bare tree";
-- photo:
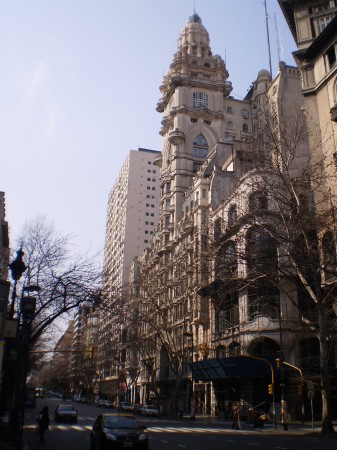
(287, 237)
(65, 279)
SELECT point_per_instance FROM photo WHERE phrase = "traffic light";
(278, 363)
(270, 389)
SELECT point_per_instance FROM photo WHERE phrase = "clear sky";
(79, 85)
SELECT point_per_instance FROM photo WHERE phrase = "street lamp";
(190, 335)
(17, 267)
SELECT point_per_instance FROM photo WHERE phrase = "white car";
(149, 410)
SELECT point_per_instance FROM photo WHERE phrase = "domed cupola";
(194, 39)
(195, 18)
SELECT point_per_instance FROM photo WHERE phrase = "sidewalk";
(294, 427)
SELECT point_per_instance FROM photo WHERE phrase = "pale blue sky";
(79, 85)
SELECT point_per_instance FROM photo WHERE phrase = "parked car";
(65, 413)
(107, 403)
(149, 410)
(118, 430)
(125, 406)
(137, 408)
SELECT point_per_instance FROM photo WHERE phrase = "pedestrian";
(43, 422)
(235, 417)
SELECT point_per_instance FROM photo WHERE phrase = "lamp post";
(190, 335)
(27, 310)
(282, 379)
(4, 293)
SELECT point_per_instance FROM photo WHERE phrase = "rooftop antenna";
(267, 26)
(279, 44)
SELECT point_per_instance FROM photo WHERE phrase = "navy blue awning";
(231, 367)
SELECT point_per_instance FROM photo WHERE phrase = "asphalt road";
(168, 434)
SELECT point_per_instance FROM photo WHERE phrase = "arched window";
(232, 215)
(226, 263)
(234, 349)
(200, 99)
(258, 200)
(227, 311)
(200, 147)
(262, 266)
(220, 351)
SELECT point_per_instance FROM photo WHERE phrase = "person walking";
(235, 417)
(43, 422)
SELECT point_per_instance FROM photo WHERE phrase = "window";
(245, 113)
(245, 128)
(217, 228)
(230, 110)
(196, 167)
(257, 201)
(323, 22)
(331, 56)
(329, 255)
(194, 120)
(230, 125)
(226, 261)
(200, 147)
(232, 215)
(200, 99)
(207, 122)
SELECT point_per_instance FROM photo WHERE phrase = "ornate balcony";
(176, 137)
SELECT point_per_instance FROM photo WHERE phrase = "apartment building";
(133, 214)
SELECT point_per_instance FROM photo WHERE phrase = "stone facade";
(210, 164)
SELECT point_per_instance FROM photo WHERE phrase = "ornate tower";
(192, 103)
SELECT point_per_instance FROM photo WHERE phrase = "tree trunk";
(327, 426)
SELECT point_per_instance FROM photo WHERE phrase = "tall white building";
(133, 213)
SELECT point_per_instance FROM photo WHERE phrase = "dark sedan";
(118, 430)
(65, 413)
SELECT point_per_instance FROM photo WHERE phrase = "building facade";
(217, 159)
(133, 213)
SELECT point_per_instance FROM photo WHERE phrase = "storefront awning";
(231, 367)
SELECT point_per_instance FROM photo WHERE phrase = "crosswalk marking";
(150, 429)
(154, 429)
